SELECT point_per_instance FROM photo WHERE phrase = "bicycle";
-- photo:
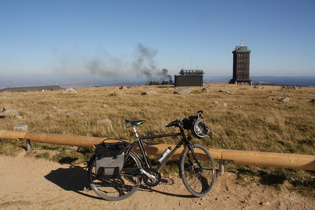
(196, 166)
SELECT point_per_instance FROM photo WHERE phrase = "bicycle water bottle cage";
(134, 123)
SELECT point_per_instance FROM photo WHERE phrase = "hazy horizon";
(84, 80)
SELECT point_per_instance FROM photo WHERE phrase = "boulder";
(224, 91)
(74, 114)
(149, 92)
(271, 120)
(123, 88)
(182, 91)
(285, 99)
(20, 128)
(206, 90)
(116, 94)
(70, 91)
(258, 87)
(290, 87)
(9, 113)
(223, 105)
(104, 122)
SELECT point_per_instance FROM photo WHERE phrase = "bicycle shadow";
(169, 191)
(166, 193)
(74, 178)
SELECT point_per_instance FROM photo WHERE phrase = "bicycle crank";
(151, 176)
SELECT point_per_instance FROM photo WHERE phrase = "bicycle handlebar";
(179, 123)
(175, 123)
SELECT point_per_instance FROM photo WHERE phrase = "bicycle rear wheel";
(197, 170)
(121, 185)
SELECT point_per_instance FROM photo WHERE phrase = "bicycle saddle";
(134, 123)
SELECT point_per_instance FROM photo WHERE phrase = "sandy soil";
(29, 183)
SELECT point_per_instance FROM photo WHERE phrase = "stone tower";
(241, 60)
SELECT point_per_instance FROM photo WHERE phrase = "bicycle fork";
(193, 154)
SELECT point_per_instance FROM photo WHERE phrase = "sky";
(146, 39)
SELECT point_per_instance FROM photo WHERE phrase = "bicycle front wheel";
(197, 170)
(118, 187)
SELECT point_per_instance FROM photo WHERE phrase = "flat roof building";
(189, 78)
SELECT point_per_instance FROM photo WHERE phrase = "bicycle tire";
(118, 187)
(198, 181)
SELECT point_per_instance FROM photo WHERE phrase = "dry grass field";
(262, 118)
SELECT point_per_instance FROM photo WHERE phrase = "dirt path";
(29, 183)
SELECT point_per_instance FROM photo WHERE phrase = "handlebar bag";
(110, 158)
(189, 121)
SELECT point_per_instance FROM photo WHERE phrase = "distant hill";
(268, 80)
(273, 80)
(77, 80)
(32, 88)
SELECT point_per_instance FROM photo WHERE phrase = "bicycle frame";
(184, 140)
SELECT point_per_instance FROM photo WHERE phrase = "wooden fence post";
(24, 128)
(221, 167)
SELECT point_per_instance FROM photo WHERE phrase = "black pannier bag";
(110, 158)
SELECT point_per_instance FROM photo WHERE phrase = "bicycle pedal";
(163, 181)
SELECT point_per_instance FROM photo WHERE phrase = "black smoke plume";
(109, 69)
(145, 64)
(107, 66)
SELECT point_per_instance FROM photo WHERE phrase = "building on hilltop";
(241, 61)
(189, 78)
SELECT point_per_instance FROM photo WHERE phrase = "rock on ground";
(182, 91)
(70, 91)
(10, 113)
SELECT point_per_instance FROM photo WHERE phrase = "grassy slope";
(253, 119)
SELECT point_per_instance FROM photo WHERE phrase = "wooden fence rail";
(280, 160)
